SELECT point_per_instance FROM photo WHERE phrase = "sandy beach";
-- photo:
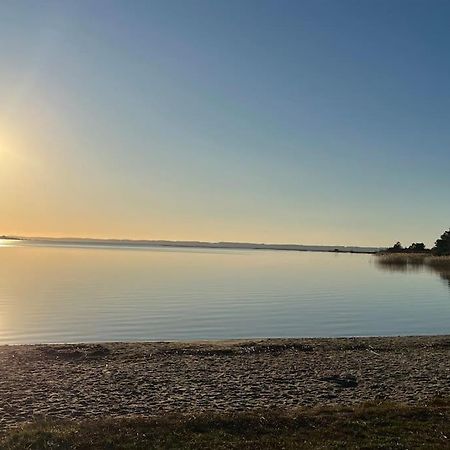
(123, 379)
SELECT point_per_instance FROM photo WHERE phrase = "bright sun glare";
(8, 150)
(5, 144)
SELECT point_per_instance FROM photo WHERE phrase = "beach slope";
(86, 381)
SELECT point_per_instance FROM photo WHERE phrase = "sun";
(9, 145)
(5, 150)
(8, 154)
(6, 142)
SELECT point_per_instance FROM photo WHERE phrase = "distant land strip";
(195, 244)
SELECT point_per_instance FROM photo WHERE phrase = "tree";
(417, 247)
(396, 248)
(442, 245)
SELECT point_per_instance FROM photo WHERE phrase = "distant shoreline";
(196, 244)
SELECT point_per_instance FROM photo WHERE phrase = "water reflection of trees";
(415, 263)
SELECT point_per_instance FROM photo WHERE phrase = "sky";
(314, 122)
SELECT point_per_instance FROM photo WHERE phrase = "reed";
(410, 259)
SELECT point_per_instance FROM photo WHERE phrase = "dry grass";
(375, 426)
(413, 259)
(406, 262)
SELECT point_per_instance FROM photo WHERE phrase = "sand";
(122, 379)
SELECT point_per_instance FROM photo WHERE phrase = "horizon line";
(188, 242)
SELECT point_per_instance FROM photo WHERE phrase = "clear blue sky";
(321, 122)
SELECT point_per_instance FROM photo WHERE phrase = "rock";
(345, 381)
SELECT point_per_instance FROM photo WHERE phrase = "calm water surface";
(72, 294)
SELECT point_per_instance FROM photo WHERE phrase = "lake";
(58, 293)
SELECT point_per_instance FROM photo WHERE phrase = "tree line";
(441, 246)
